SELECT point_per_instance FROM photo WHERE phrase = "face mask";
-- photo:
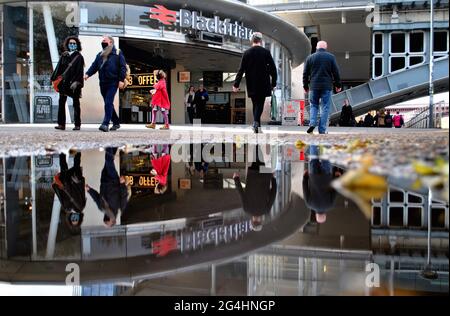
(73, 47)
(104, 45)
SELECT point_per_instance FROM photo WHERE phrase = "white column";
(51, 242)
(31, 62)
(33, 206)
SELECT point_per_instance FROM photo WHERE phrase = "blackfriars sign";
(193, 20)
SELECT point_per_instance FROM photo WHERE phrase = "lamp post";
(431, 92)
(428, 272)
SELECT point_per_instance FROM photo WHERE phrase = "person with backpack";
(112, 68)
(388, 120)
(398, 120)
(68, 81)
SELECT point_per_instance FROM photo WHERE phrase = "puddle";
(273, 219)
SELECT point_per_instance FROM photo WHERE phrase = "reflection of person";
(71, 68)
(114, 191)
(320, 74)
(112, 69)
(317, 190)
(161, 166)
(69, 187)
(259, 193)
(261, 74)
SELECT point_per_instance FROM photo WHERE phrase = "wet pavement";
(293, 215)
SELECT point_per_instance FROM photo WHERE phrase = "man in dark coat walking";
(347, 118)
(261, 75)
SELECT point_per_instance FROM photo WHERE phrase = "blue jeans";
(109, 93)
(314, 100)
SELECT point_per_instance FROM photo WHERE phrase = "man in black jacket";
(320, 74)
(261, 76)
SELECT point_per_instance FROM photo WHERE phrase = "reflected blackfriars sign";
(193, 20)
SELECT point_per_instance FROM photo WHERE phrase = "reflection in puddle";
(275, 220)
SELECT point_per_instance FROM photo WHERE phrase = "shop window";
(416, 42)
(415, 60)
(441, 41)
(398, 43)
(378, 66)
(378, 47)
(397, 63)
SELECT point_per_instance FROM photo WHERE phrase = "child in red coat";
(160, 100)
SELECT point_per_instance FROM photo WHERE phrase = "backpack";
(128, 79)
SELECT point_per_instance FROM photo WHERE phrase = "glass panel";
(398, 43)
(378, 44)
(378, 64)
(15, 63)
(398, 63)
(415, 60)
(46, 52)
(102, 13)
(440, 41)
(416, 42)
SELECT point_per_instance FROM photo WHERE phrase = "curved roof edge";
(288, 35)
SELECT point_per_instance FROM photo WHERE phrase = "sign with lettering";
(144, 181)
(139, 81)
(43, 109)
(195, 21)
(291, 111)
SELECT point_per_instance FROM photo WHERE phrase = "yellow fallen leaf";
(300, 145)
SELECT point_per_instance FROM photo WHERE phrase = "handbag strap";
(70, 65)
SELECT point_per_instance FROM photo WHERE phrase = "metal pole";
(33, 207)
(431, 108)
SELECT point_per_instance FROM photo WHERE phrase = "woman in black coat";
(347, 118)
(71, 68)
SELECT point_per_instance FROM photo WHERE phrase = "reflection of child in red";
(161, 166)
(164, 246)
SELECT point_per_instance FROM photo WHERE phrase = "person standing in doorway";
(70, 69)
(189, 102)
(320, 74)
(112, 68)
(261, 75)
(200, 100)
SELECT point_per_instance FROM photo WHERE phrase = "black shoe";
(114, 128)
(77, 128)
(311, 129)
(60, 128)
(104, 128)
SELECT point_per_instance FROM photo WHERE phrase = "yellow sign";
(142, 181)
(143, 80)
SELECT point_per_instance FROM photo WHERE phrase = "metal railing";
(421, 120)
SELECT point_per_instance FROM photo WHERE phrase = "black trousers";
(62, 110)
(191, 112)
(258, 108)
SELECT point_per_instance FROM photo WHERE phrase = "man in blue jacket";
(320, 74)
(111, 66)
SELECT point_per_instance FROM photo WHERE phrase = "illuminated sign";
(142, 181)
(194, 20)
(143, 81)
